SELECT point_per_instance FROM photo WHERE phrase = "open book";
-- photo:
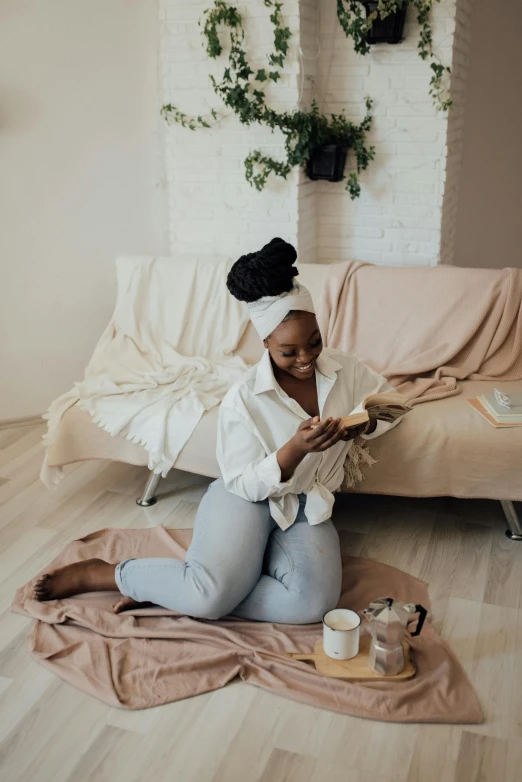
(386, 406)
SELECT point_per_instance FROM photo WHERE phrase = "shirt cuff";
(269, 472)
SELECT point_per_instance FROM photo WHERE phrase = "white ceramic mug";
(341, 633)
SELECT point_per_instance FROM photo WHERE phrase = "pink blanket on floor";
(424, 329)
(153, 656)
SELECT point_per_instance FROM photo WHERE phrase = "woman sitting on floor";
(264, 546)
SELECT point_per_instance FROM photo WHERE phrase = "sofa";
(442, 448)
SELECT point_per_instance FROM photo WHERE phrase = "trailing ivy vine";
(355, 23)
(242, 90)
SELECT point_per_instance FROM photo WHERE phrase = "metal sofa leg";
(147, 498)
(514, 531)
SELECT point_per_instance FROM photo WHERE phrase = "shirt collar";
(328, 366)
(265, 380)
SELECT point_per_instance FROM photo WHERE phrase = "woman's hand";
(314, 435)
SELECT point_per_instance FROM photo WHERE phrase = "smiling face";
(295, 345)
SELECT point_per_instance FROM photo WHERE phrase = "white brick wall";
(455, 135)
(397, 219)
(306, 190)
(214, 212)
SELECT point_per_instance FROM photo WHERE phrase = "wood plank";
(197, 756)
(288, 767)
(33, 453)
(25, 546)
(110, 757)
(13, 657)
(504, 578)
(40, 748)
(481, 758)
(435, 754)
(88, 500)
(143, 721)
(254, 741)
(12, 625)
(27, 421)
(182, 515)
(494, 670)
(36, 501)
(107, 509)
(27, 474)
(10, 436)
(301, 729)
(461, 629)
(4, 683)
(515, 712)
(401, 541)
(351, 543)
(390, 750)
(513, 761)
(346, 742)
(12, 456)
(472, 566)
(439, 563)
(177, 725)
(192, 742)
(331, 772)
(20, 696)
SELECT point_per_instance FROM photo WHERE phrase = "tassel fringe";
(358, 456)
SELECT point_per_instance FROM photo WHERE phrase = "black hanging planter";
(387, 30)
(327, 163)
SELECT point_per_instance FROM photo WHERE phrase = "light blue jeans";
(241, 563)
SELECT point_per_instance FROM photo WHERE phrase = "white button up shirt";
(257, 417)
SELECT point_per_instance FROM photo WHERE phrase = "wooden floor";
(49, 732)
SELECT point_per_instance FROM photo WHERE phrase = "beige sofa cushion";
(443, 448)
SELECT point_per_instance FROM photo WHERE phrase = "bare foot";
(126, 603)
(93, 575)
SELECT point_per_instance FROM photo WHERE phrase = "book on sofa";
(500, 409)
(503, 408)
(385, 406)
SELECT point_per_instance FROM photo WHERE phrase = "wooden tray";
(355, 669)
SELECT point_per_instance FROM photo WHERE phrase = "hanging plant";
(242, 90)
(388, 29)
(307, 132)
(358, 16)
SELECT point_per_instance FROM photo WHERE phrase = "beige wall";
(490, 199)
(80, 181)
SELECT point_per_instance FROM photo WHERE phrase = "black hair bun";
(269, 272)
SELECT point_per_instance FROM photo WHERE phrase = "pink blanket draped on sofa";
(414, 329)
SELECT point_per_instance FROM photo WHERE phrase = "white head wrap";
(269, 311)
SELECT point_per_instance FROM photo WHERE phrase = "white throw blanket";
(163, 360)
